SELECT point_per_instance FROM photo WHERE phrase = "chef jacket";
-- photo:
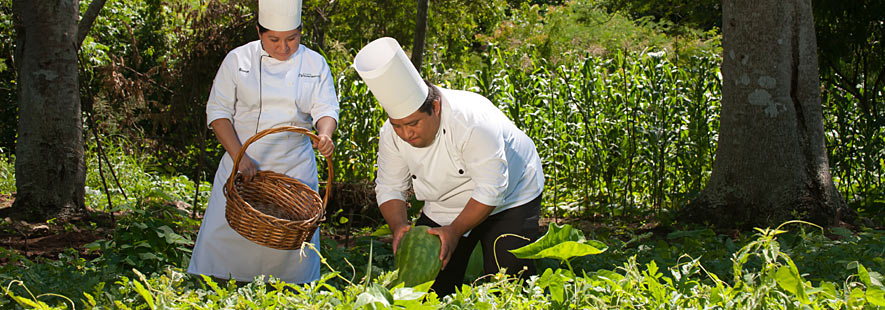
(477, 153)
(256, 92)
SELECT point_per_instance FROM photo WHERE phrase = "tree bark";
(771, 164)
(420, 34)
(49, 166)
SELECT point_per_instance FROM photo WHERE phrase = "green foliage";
(474, 264)
(680, 15)
(562, 243)
(8, 91)
(68, 275)
(560, 33)
(7, 173)
(850, 36)
(612, 133)
(152, 236)
(354, 261)
(764, 277)
(139, 177)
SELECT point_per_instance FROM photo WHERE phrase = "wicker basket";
(273, 209)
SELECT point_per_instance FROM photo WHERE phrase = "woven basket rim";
(303, 228)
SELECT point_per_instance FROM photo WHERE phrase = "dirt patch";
(44, 242)
(48, 239)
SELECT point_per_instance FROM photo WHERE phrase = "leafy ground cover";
(134, 257)
(139, 265)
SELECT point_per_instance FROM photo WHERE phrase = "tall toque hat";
(279, 15)
(391, 77)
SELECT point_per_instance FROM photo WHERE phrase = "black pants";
(521, 220)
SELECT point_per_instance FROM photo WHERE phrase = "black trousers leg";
(497, 232)
(521, 220)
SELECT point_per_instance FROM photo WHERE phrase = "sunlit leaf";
(560, 242)
(876, 295)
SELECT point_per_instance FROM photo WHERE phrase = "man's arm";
(394, 212)
(474, 213)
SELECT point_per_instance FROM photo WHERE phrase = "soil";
(42, 239)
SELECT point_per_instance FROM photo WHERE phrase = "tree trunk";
(49, 166)
(771, 164)
(420, 34)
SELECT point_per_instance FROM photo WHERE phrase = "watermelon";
(417, 257)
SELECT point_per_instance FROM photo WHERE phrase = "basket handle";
(268, 131)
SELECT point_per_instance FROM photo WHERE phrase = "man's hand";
(398, 233)
(449, 239)
(324, 145)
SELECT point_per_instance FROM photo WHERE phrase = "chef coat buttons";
(460, 171)
(444, 131)
(414, 177)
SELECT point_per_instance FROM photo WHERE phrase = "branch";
(88, 19)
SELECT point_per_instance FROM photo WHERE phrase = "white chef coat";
(477, 153)
(255, 92)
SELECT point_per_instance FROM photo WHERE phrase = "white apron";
(221, 252)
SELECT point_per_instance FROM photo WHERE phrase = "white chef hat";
(279, 15)
(391, 77)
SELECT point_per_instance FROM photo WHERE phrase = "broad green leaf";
(474, 264)
(170, 235)
(148, 256)
(384, 230)
(789, 280)
(566, 250)
(214, 286)
(144, 293)
(864, 275)
(786, 280)
(555, 282)
(828, 290)
(89, 299)
(374, 294)
(423, 287)
(856, 298)
(560, 242)
(383, 292)
(876, 295)
(406, 293)
(28, 302)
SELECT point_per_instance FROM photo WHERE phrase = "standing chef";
(478, 174)
(267, 83)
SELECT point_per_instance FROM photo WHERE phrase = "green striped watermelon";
(417, 257)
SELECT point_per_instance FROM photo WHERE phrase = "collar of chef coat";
(263, 54)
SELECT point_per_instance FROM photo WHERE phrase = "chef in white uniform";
(267, 83)
(477, 173)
